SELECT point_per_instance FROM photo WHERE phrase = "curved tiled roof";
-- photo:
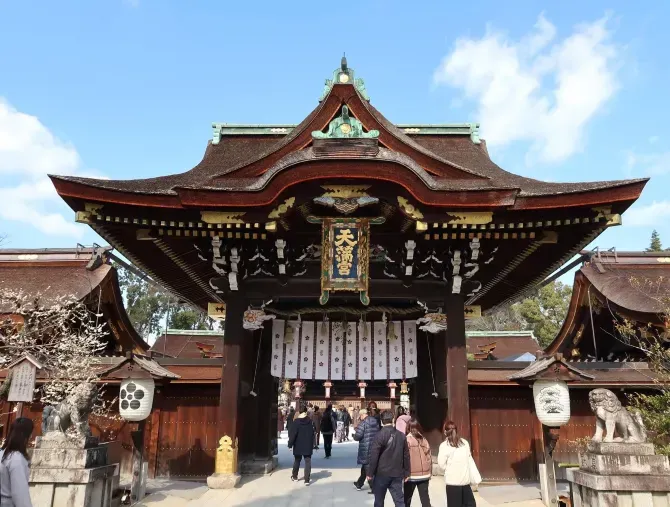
(234, 152)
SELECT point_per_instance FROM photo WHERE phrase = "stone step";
(611, 464)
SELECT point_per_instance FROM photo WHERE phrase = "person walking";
(355, 418)
(289, 418)
(14, 467)
(327, 430)
(301, 440)
(316, 419)
(340, 418)
(401, 420)
(454, 458)
(374, 412)
(420, 464)
(389, 462)
(347, 423)
(350, 419)
(365, 434)
(280, 422)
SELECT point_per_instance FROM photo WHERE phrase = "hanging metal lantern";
(392, 386)
(404, 389)
(552, 402)
(297, 385)
(362, 386)
(328, 384)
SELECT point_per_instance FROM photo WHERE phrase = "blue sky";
(129, 88)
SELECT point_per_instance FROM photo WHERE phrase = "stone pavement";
(332, 486)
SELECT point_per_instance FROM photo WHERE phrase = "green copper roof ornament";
(345, 126)
(344, 75)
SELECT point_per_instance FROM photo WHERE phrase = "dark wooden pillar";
(457, 365)
(154, 431)
(230, 374)
(267, 396)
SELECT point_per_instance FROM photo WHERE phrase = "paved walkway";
(332, 486)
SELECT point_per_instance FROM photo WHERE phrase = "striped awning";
(343, 351)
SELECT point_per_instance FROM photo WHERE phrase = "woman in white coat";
(454, 458)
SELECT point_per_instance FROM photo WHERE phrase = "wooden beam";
(263, 288)
(458, 409)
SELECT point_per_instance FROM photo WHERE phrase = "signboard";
(216, 311)
(23, 381)
(345, 257)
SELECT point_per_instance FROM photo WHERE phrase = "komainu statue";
(72, 413)
(611, 417)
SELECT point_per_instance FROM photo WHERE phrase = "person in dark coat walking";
(389, 462)
(301, 440)
(365, 433)
(289, 418)
(327, 429)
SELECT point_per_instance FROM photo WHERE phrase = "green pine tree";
(655, 243)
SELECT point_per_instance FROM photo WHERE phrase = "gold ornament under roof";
(345, 191)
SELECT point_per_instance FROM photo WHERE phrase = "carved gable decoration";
(345, 198)
(551, 368)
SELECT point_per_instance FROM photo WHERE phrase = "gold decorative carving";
(613, 219)
(271, 226)
(226, 456)
(421, 226)
(469, 217)
(472, 311)
(345, 191)
(90, 209)
(409, 209)
(282, 208)
(602, 212)
(216, 311)
(222, 217)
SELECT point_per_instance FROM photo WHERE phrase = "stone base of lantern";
(71, 472)
(612, 474)
(223, 481)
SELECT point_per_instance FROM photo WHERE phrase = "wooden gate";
(187, 433)
(505, 439)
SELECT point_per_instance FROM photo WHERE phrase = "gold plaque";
(216, 311)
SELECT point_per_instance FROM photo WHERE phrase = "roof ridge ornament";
(345, 126)
(344, 75)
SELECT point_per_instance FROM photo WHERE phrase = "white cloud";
(648, 164)
(653, 139)
(28, 152)
(652, 214)
(535, 89)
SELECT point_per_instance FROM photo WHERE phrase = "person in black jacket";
(389, 462)
(327, 429)
(301, 440)
(365, 434)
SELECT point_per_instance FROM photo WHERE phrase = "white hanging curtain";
(344, 351)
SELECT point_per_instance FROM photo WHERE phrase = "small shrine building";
(342, 231)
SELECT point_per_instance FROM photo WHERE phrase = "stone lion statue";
(611, 417)
(72, 412)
